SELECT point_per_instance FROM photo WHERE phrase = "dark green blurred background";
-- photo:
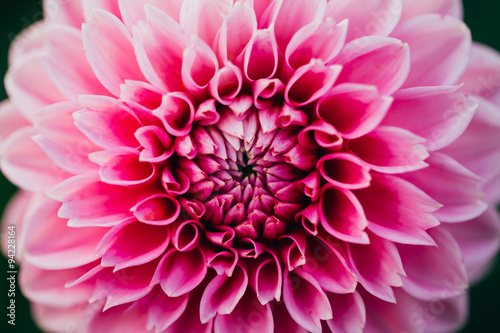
(482, 16)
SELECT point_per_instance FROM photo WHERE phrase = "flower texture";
(252, 166)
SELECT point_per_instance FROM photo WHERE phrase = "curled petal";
(176, 113)
(158, 209)
(186, 236)
(226, 84)
(265, 276)
(344, 170)
(349, 313)
(199, 65)
(261, 56)
(158, 146)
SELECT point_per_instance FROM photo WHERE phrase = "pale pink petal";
(54, 245)
(444, 7)
(434, 272)
(349, 313)
(397, 210)
(10, 119)
(28, 85)
(305, 301)
(27, 42)
(110, 6)
(377, 276)
(204, 18)
(36, 173)
(58, 320)
(439, 49)
(479, 241)
(380, 61)
(453, 186)
(75, 77)
(118, 319)
(482, 76)
(374, 18)
(108, 48)
(390, 150)
(133, 11)
(64, 13)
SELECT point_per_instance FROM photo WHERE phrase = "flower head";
(245, 166)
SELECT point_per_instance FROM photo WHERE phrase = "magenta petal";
(266, 278)
(199, 65)
(162, 310)
(248, 316)
(398, 211)
(344, 170)
(390, 150)
(342, 215)
(293, 250)
(222, 259)
(306, 302)
(158, 145)
(118, 319)
(132, 244)
(319, 39)
(261, 56)
(222, 294)
(177, 113)
(439, 271)
(353, 109)
(180, 272)
(189, 321)
(158, 209)
(310, 82)
(377, 276)
(440, 49)
(108, 48)
(379, 61)
(349, 313)
(226, 84)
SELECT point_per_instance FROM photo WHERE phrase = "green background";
(482, 16)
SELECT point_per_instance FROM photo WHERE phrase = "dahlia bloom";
(251, 166)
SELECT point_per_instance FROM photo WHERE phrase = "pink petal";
(344, 170)
(479, 241)
(349, 313)
(222, 294)
(36, 173)
(110, 6)
(180, 272)
(222, 259)
(52, 319)
(157, 144)
(434, 272)
(236, 31)
(158, 209)
(443, 7)
(54, 245)
(437, 114)
(293, 15)
(261, 56)
(320, 133)
(380, 275)
(118, 319)
(132, 244)
(293, 250)
(440, 49)
(14, 215)
(319, 39)
(199, 65)
(342, 215)
(353, 109)
(453, 186)
(226, 84)
(283, 323)
(266, 278)
(248, 316)
(374, 18)
(108, 48)
(89, 202)
(75, 77)
(310, 82)
(390, 150)
(306, 302)
(397, 210)
(190, 321)
(379, 61)
(329, 268)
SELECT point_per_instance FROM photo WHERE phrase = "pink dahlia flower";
(252, 166)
